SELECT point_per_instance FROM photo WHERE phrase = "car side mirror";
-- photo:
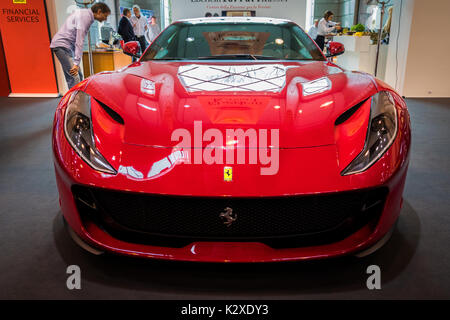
(132, 48)
(335, 49)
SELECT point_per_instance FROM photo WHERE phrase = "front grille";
(176, 221)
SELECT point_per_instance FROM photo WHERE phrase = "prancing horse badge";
(228, 217)
(228, 174)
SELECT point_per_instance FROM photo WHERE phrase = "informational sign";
(26, 42)
(294, 10)
(147, 13)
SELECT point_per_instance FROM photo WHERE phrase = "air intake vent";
(280, 222)
(114, 115)
(347, 114)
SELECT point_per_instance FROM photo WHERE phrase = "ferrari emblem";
(228, 216)
(227, 174)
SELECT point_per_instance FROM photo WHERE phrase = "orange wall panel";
(4, 81)
(26, 43)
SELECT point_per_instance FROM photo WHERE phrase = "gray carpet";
(35, 249)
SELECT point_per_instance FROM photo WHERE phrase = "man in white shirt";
(313, 30)
(139, 23)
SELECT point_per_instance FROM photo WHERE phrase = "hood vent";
(114, 115)
(347, 114)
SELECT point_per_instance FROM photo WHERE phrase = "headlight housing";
(79, 133)
(383, 126)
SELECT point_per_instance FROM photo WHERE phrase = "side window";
(170, 47)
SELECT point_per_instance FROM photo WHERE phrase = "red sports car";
(231, 140)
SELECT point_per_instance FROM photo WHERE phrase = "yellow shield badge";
(227, 174)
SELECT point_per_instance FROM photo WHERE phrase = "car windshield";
(224, 41)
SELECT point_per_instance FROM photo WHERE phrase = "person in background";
(125, 28)
(387, 27)
(208, 15)
(139, 23)
(153, 30)
(325, 27)
(313, 30)
(216, 14)
(67, 44)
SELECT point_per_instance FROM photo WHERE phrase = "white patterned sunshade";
(251, 78)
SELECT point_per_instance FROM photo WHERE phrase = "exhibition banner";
(26, 43)
(294, 10)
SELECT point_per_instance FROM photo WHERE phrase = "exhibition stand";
(105, 60)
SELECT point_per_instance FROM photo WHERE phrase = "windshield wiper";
(237, 56)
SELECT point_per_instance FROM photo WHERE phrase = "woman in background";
(153, 30)
(326, 26)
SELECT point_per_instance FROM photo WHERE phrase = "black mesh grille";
(277, 221)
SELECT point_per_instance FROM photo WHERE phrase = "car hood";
(228, 95)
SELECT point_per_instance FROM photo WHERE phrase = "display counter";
(360, 54)
(105, 60)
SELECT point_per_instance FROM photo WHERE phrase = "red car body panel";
(313, 151)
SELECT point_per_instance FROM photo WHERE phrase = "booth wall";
(402, 16)
(428, 66)
(5, 90)
(26, 44)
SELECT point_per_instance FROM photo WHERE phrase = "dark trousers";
(143, 43)
(320, 40)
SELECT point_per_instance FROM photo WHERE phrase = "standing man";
(153, 30)
(139, 23)
(67, 44)
(125, 28)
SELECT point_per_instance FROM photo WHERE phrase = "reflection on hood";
(250, 78)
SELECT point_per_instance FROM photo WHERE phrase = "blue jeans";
(65, 57)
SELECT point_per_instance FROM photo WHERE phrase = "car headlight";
(380, 135)
(79, 133)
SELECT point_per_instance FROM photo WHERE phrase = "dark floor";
(35, 249)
